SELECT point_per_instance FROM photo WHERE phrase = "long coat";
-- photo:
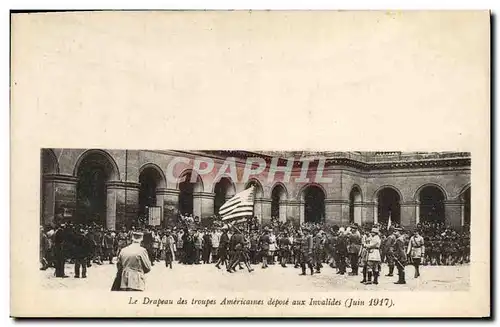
(133, 263)
(373, 247)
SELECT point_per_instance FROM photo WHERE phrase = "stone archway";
(191, 184)
(95, 202)
(152, 183)
(313, 199)
(388, 204)
(431, 204)
(224, 189)
(49, 166)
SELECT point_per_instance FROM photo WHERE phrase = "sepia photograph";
(126, 220)
(250, 164)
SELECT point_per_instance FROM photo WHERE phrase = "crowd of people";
(308, 246)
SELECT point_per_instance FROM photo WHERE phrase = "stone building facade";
(113, 187)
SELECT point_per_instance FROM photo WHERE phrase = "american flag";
(239, 207)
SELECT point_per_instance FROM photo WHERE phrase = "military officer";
(306, 248)
(284, 245)
(264, 242)
(353, 249)
(389, 243)
(416, 250)
(133, 263)
(373, 247)
(400, 255)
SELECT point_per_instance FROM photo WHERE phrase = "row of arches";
(96, 168)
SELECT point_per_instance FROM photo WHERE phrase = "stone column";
(122, 204)
(206, 202)
(417, 212)
(59, 197)
(453, 212)
(168, 199)
(408, 211)
(336, 212)
(368, 212)
(264, 206)
(283, 210)
(293, 212)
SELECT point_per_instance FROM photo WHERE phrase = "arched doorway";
(48, 166)
(94, 170)
(278, 208)
(355, 200)
(388, 205)
(466, 201)
(314, 204)
(224, 189)
(190, 185)
(431, 200)
(151, 179)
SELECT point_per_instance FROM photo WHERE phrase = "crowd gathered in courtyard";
(312, 248)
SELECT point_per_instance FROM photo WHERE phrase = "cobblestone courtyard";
(207, 278)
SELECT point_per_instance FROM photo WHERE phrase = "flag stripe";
(241, 205)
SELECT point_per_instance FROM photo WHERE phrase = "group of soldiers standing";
(308, 247)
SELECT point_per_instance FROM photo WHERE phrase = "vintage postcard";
(250, 164)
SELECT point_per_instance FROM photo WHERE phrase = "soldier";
(318, 248)
(332, 243)
(416, 251)
(363, 256)
(341, 252)
(121, 240)
(389, 243)
(236, 246)
(353, 249)
(400, 255)
(60, 250)
(223, 244)
(284, 244)
(82, 251)
(133, 263)
(264, 242)
(254, 241)
(108, 244)
(169, 244)
(306, 248)
(373, 247)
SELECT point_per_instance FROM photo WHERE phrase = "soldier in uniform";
(400, 255)
(416, 251)
(363, 256)
(389, 244)
(318, 248)
(306, 248)
(223, 245)
(353, 249)
(82, 251)
(284, 244)
(60, 250)
(372, 245)
(341, 252)
(121, 240)
(169, 245)
(133, 263)
(108, 244)
(237, 247)
(254, 241)
(264, 242)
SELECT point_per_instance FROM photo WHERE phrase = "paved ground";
(207, 277)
